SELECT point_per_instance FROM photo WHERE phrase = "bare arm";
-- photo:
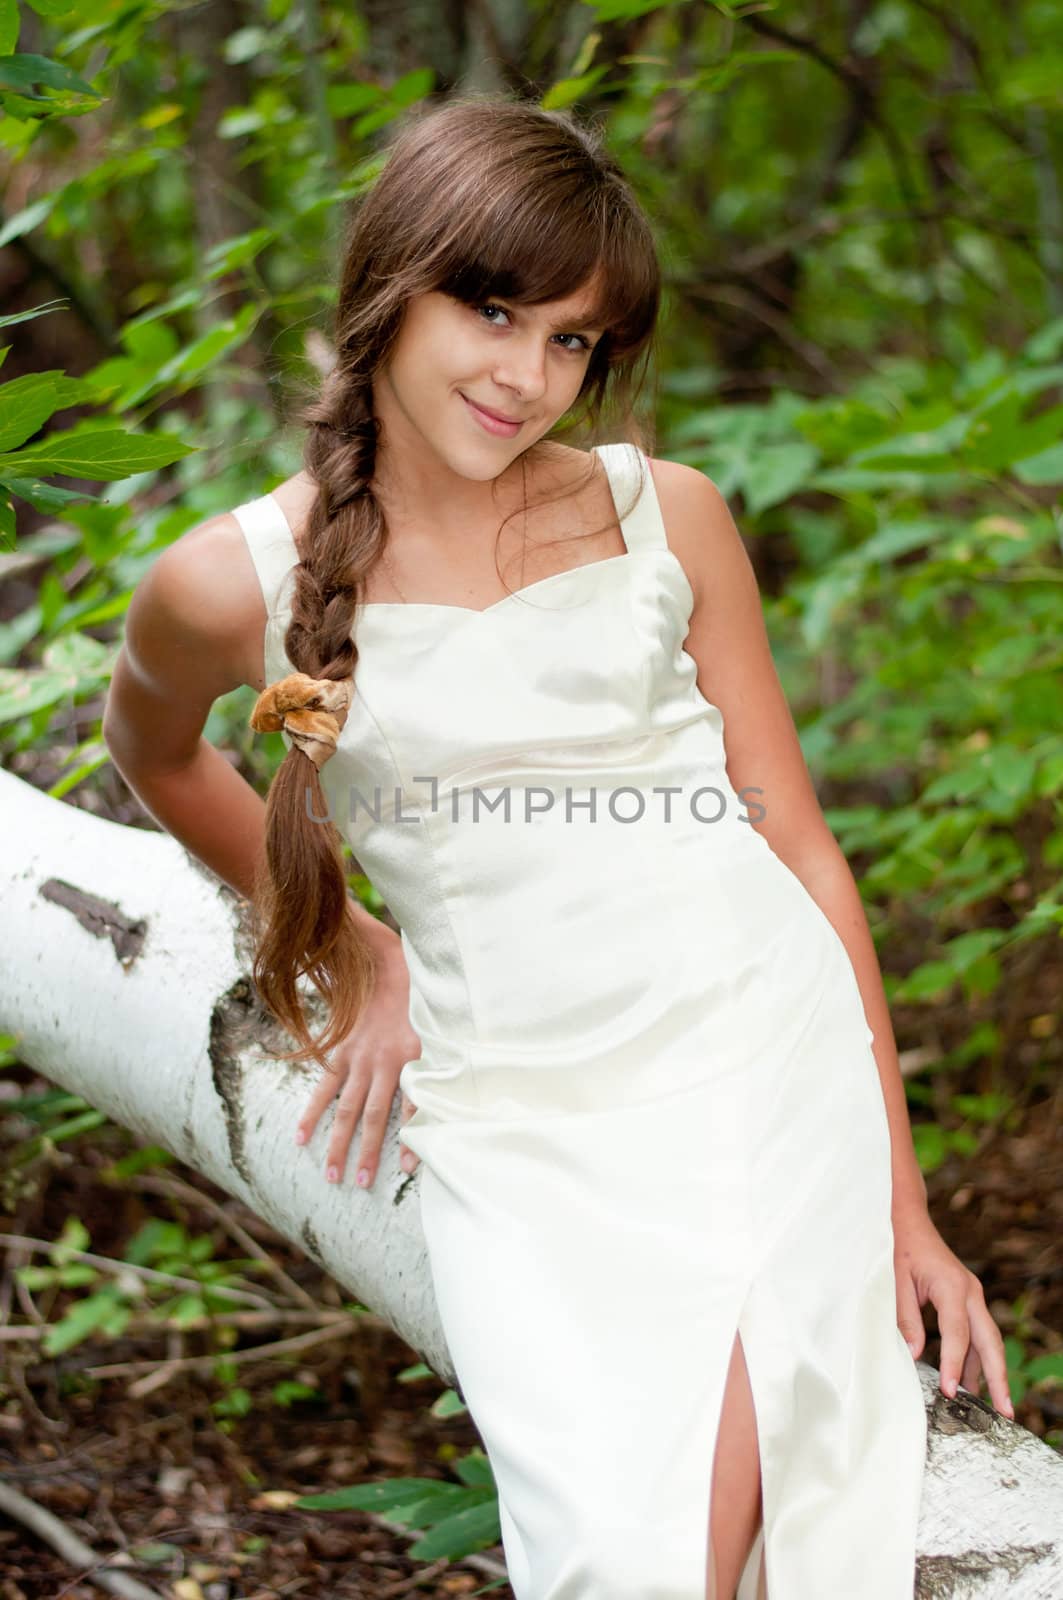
(187, 643)
(195, 631)
(729, 643)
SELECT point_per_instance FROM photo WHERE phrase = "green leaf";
(104, 454)
(411, 1374)
(78, 1275)
(29, 315)
(24, 72)
(930, 980)
(1046, 1369)
(348, 99)
(82, 1320)
(17, 224)
(26, 403)
(388, 1498)
(236, 252)
(1044, 467)
(778, 471)
(412, 86)
(1030, 80)
(73, 1236)
(202, 353)
(475, 1527)
(449, 1404)
(36, 1278)
(624, 10)
(1012, 771)
(185, 1308)
(80, 653)
(475, 1468)
(22, 692)
(83, 1124)
(289, 1391)
(9, 26)
(566, 91)
(931, 1146)
(53, 9)
(142, 1159)
(155, 1553)
(236, 1403)
(157, 1236)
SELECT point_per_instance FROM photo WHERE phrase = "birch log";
(125, 975)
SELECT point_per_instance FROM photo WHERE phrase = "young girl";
(674, 1217)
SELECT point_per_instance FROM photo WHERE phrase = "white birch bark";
(125, 972)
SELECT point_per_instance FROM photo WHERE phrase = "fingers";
(325, 1091)
(970, 1377)
(374, 1114)
(350, 1081)
(989, 1348)
(951, 1305)
(970, 1342)
(909, 1316)
(409, 1158)
(365, 1098)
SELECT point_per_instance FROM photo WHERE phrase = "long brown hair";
(478, 198)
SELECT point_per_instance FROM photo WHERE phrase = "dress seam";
(442, 898)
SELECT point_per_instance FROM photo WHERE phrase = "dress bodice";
(520, 780)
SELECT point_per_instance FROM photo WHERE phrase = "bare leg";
(737, 1506)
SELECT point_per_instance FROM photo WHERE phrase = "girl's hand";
(365, 1073)
(408, 1159)
(927, 1269)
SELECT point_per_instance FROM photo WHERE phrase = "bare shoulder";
(216, 592)
(199, 611)
(700, 529)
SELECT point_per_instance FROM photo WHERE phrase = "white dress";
(648, 1110)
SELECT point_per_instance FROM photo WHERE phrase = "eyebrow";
(580, 323)
(577, 324)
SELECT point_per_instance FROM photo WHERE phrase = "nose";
(522, 367)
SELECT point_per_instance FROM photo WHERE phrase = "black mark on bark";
(103, 918)
(228, 1037)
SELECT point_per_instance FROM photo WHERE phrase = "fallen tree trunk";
(125, 974)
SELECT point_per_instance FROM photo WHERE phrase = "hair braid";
(301, 896)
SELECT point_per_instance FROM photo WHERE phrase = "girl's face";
(453, 364)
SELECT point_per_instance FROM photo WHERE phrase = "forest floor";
(205, 1500)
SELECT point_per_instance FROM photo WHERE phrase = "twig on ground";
(22, 1332)
(151, 1275)
(258, 1352)
(67, 1544)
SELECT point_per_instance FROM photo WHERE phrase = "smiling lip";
(492, 421)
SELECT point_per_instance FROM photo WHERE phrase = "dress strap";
(269, 539)
(643, 526)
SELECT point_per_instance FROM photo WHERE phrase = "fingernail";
(333, 1174)
(300, 1135)
(363, 1176)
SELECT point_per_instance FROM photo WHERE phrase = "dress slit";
(752, 1582)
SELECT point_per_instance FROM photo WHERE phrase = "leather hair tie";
(310, 710)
